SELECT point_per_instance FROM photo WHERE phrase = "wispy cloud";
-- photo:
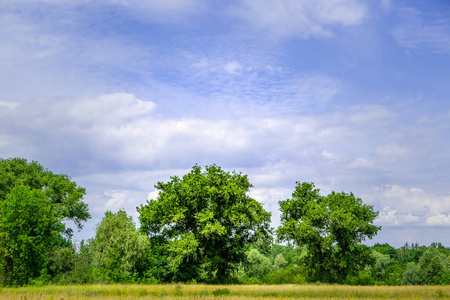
(416, 31)
(300, 19)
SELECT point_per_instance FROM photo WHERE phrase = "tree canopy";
(207, 220)
(64, 195)
(331, 227)
(34, 203)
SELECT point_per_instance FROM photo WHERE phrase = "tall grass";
(226, 292)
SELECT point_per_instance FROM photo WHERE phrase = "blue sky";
(120, 94)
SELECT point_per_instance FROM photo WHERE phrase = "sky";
(121, 94)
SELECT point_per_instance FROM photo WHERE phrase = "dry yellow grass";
(226, 292)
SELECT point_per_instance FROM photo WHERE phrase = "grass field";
(231, 292)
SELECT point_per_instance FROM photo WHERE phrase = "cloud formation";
(123, 94)
(290, 18)
(401, 206)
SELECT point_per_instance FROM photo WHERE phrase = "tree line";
(202, 227)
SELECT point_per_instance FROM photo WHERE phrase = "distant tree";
(410, 253)
(432, 265)
(292, 255)
(257, 264)
(280, 262)
(71, 263)
(117, 248)
(331, 228)
(206, 219)
(413, 275)
(382, 261)
(385, 249)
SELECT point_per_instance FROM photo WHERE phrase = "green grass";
(228, 292)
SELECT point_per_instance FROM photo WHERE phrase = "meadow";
(231, 292)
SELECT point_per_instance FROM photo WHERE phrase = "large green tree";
(34, 205)
(206, 220)
(331, 227)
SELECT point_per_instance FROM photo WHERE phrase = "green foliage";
(117, 248)
(71, 265)
(280, 262)
(62, 263)
(382, 261)
(393, 273)
(413, 275)
(64, 195)
(257, 264)
(29, 229)
(34, 205)
(293, 274)
(331, 228)
(410, 253)
(293, 255)
(155, 266)
(207, 220)
(385, 249)
(432, 265)
(362, 278)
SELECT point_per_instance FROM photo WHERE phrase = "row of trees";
(202, 227)
(407, 265)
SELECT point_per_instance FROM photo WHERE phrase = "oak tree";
(331, 227)
(206, 220)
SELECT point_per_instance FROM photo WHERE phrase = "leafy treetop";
(331, 227)
(64, 195)
(207, 219)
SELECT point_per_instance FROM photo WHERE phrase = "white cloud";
(366, 114)
(121, 130)
(394, 218)
(401, 206)
(7, 105)
(107, 109)
(328, 155)
(301, 19)
(232, 67)
(361, 163)
(439, 220)
(270, 197)
(391, 152)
